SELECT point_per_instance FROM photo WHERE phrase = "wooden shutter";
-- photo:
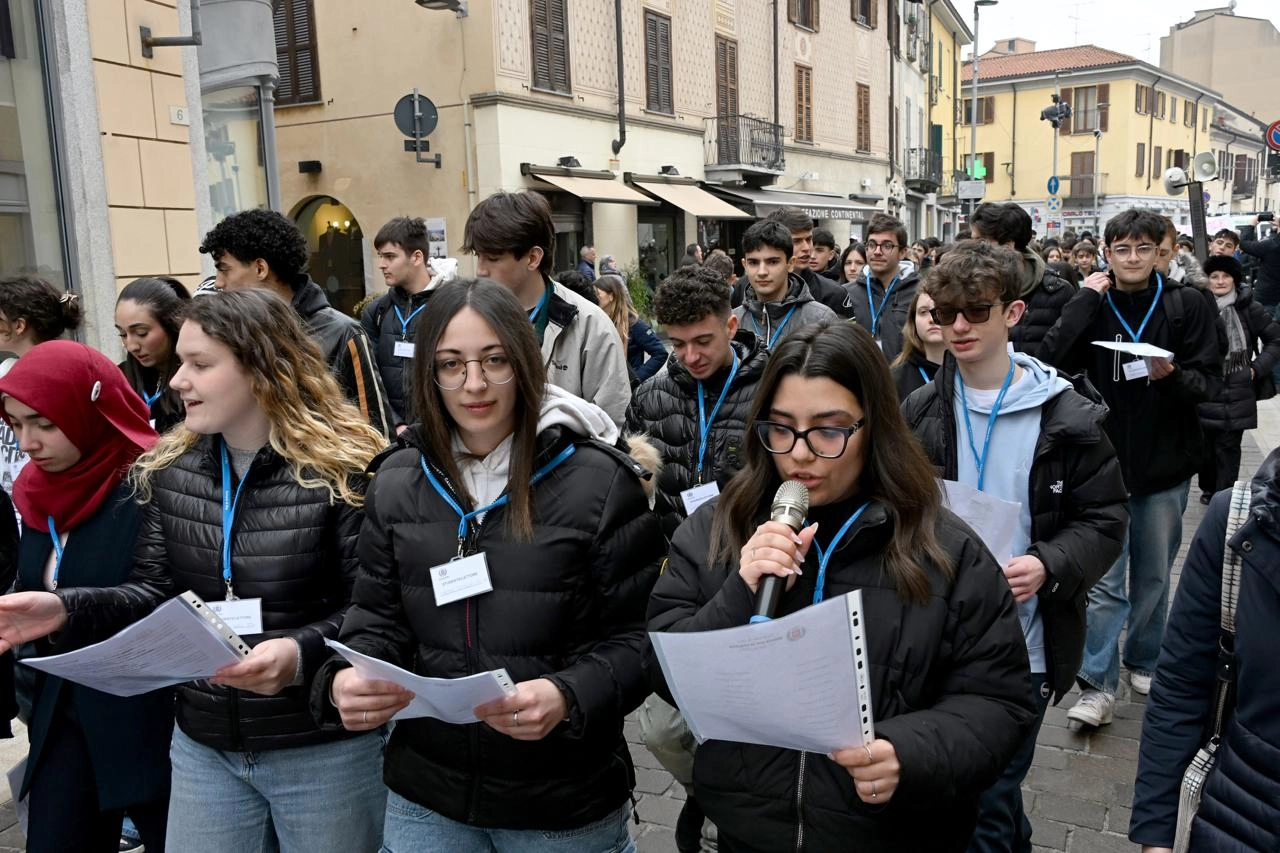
(299, 66)
(989, 163)
(1140, 169)
(1067, 98)
(988, 110)
(1139, 97)
(793, 10)
(1157, 161)
(1104, 106)
(864, 117)
(726, 77)
(814, 6)
(804, 104)
(875, 12)
(541, 45)
(657, 51)
(558, 23)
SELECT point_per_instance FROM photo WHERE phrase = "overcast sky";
(1128, 26)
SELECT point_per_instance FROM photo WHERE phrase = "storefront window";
(337, 249)
(233, 140)
(31, 235)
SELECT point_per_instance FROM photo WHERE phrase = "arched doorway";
(337, 251)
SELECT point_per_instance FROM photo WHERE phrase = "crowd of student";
(321, 474)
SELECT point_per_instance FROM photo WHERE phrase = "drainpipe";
(622, 102)
(1151, 132)
(777, 68)
(1013, 173)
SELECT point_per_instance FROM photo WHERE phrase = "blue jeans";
(1150, 546)
(410, 828)
(327, 798)
(1002, 824)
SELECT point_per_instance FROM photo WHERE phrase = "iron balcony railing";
(923, 169)
(746, 141)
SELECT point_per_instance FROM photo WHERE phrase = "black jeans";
(1002, 824)
(1220, 464)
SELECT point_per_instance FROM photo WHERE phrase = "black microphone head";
(790, 504)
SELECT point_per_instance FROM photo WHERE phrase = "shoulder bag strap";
(1237, 514)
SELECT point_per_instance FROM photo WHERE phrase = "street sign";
(1206, 196)
(975, 190)
(1055, 204)
(1273, 136)
(1053, 185)
(404, 118)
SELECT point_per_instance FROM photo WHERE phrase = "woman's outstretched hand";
(26, 616)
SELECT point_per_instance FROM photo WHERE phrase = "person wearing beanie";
(1253, 338)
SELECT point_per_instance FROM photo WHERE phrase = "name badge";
(243, 615)
(1136, 369)
(461, 578)
(697, 496)
(404, 349)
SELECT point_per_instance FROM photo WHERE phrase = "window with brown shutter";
(1189, 112)
(864, 117)
(989, 164)
(864, 12)
(1064, 129)
(299, 66)
(986, 110)
(803, 13)
(550, 45)
(726, 77)
(804, 104)
(1173, 110)
(1140, 100)
(1140, 170)
(1157, 161)
(1160, 105)
(1104, 106)
(657, 62)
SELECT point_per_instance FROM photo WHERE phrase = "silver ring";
(515, 718)
(365, 719)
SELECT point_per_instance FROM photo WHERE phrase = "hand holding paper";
(365, 703)
(26, 616)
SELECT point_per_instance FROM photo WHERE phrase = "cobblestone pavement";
(1077, 793)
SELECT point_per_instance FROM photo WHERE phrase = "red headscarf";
(87, 397)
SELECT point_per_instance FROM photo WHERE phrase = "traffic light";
(1056, 113)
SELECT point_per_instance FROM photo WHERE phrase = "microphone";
(790, 506)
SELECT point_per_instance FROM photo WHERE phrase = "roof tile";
(1044, 62)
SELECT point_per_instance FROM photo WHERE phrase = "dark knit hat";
(1226, 264)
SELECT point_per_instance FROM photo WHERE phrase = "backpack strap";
(1237, 514)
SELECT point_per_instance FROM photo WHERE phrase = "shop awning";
(818, 205)
(597, 189)
(691, 199)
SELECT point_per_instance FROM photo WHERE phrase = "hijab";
(87, 397)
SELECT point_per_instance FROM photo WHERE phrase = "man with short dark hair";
(1045, 451)
(261, 248)
(1155, 427)
(513, 238)
(821, 288)
(1225, 242)
(1084, 257)
(882, 295)
(824, 259)
(1043, 291)
(722, 264)
(391, 320)
(777, 300)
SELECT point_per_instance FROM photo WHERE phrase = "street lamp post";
(973, 106)
(1097, 150)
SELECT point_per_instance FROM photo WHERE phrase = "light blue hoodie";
(1008, 468)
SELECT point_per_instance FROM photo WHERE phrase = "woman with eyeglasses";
(946, 658)
(519, 487)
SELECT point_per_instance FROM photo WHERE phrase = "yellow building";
(1131, 121)
(950, 33)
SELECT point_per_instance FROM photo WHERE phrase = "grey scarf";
(1239, 344)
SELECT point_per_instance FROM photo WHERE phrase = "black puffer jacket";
(1236, 407)
(567, 606)
(384, 327)
(666, 408)
(1079, 507)
(1240, 809)
(948, 681)
(892, 316)
(345, 348)
(916, 372)
(292, 548)
(1044, 302)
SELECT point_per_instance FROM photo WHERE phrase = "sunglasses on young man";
(975, 315)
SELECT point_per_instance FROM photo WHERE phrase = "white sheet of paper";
(448, 699)
(698, 495)
(461, 578)
(403, 349)
(994, 520)
(171, 646)
(20, 806)
(795, 682)
(242, 615)
(1145, 350)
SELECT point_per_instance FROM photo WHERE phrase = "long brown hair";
(911, 343)
(896, 474)
(619, 309)
(510, 322)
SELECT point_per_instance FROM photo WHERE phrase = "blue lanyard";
(704, 422)
(150, 399)
(1123, 322)
(981, 461)
(924, 375)
(871, 305)
(229, 505)
(534, 312)
(464, 518)
(405, 321)
(777, 333)
(57, 550)
(824, 557)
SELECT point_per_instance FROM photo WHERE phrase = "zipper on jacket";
(800, 803)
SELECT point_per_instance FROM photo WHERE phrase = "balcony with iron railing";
(1245, 187)
(738, 146)
(1084, 187)
(922, 170)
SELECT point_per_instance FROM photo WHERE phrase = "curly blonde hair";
(324, 439)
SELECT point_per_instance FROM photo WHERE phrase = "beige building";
(711, 128)
(1231, 54)
(948, 34)
(98, 183)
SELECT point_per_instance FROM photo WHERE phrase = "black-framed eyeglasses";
(828, 442)
(451, 373)
(886, 247)
(945, 315)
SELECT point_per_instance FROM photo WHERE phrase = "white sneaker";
(1140, 683)
(1094, 708)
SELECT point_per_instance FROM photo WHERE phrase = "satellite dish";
(1174, 181)
(1205, 167)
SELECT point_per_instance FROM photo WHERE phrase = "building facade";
(99, 150)
(1229, 53)
(949, 34)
